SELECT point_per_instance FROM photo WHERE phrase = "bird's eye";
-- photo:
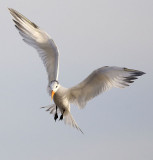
(56, 86)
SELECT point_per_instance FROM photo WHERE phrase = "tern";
(98, 81)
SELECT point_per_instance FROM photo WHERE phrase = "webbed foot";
(61, 117)
(55, 116)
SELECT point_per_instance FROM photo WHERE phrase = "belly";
(62, 103)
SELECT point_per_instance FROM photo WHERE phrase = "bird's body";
(61, 100)
(98, 81)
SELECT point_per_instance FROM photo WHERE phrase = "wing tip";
(18, 15)
(10, 9)
(134, 74)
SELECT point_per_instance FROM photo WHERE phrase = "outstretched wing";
(40, 40)
(99, 81)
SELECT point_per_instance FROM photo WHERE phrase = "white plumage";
(41, 41)
(98, 81)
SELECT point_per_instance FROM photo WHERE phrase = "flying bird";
(98, 81)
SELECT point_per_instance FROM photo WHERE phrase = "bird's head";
(54, 85)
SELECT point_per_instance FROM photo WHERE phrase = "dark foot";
(61, 117)
(55, 117)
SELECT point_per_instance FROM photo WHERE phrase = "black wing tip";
(17, 28)
(134, 72)
(138, 73)
(128, 80)
(134, 75)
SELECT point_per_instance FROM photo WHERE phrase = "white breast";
(61, 100)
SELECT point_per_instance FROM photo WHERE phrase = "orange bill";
(52, 94)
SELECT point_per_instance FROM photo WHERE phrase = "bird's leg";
(56, 115)
(61, 117)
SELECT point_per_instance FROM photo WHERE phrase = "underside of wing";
(99, 81)
(40, 40)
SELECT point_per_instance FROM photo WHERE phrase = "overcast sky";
(118, 124)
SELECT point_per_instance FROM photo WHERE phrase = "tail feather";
(68, 119)
(51, 108)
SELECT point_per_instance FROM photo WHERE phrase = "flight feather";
(99, 81)
(41, 41)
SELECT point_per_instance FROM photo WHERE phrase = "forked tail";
(68, 119)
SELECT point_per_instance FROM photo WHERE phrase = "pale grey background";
(118, 125)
